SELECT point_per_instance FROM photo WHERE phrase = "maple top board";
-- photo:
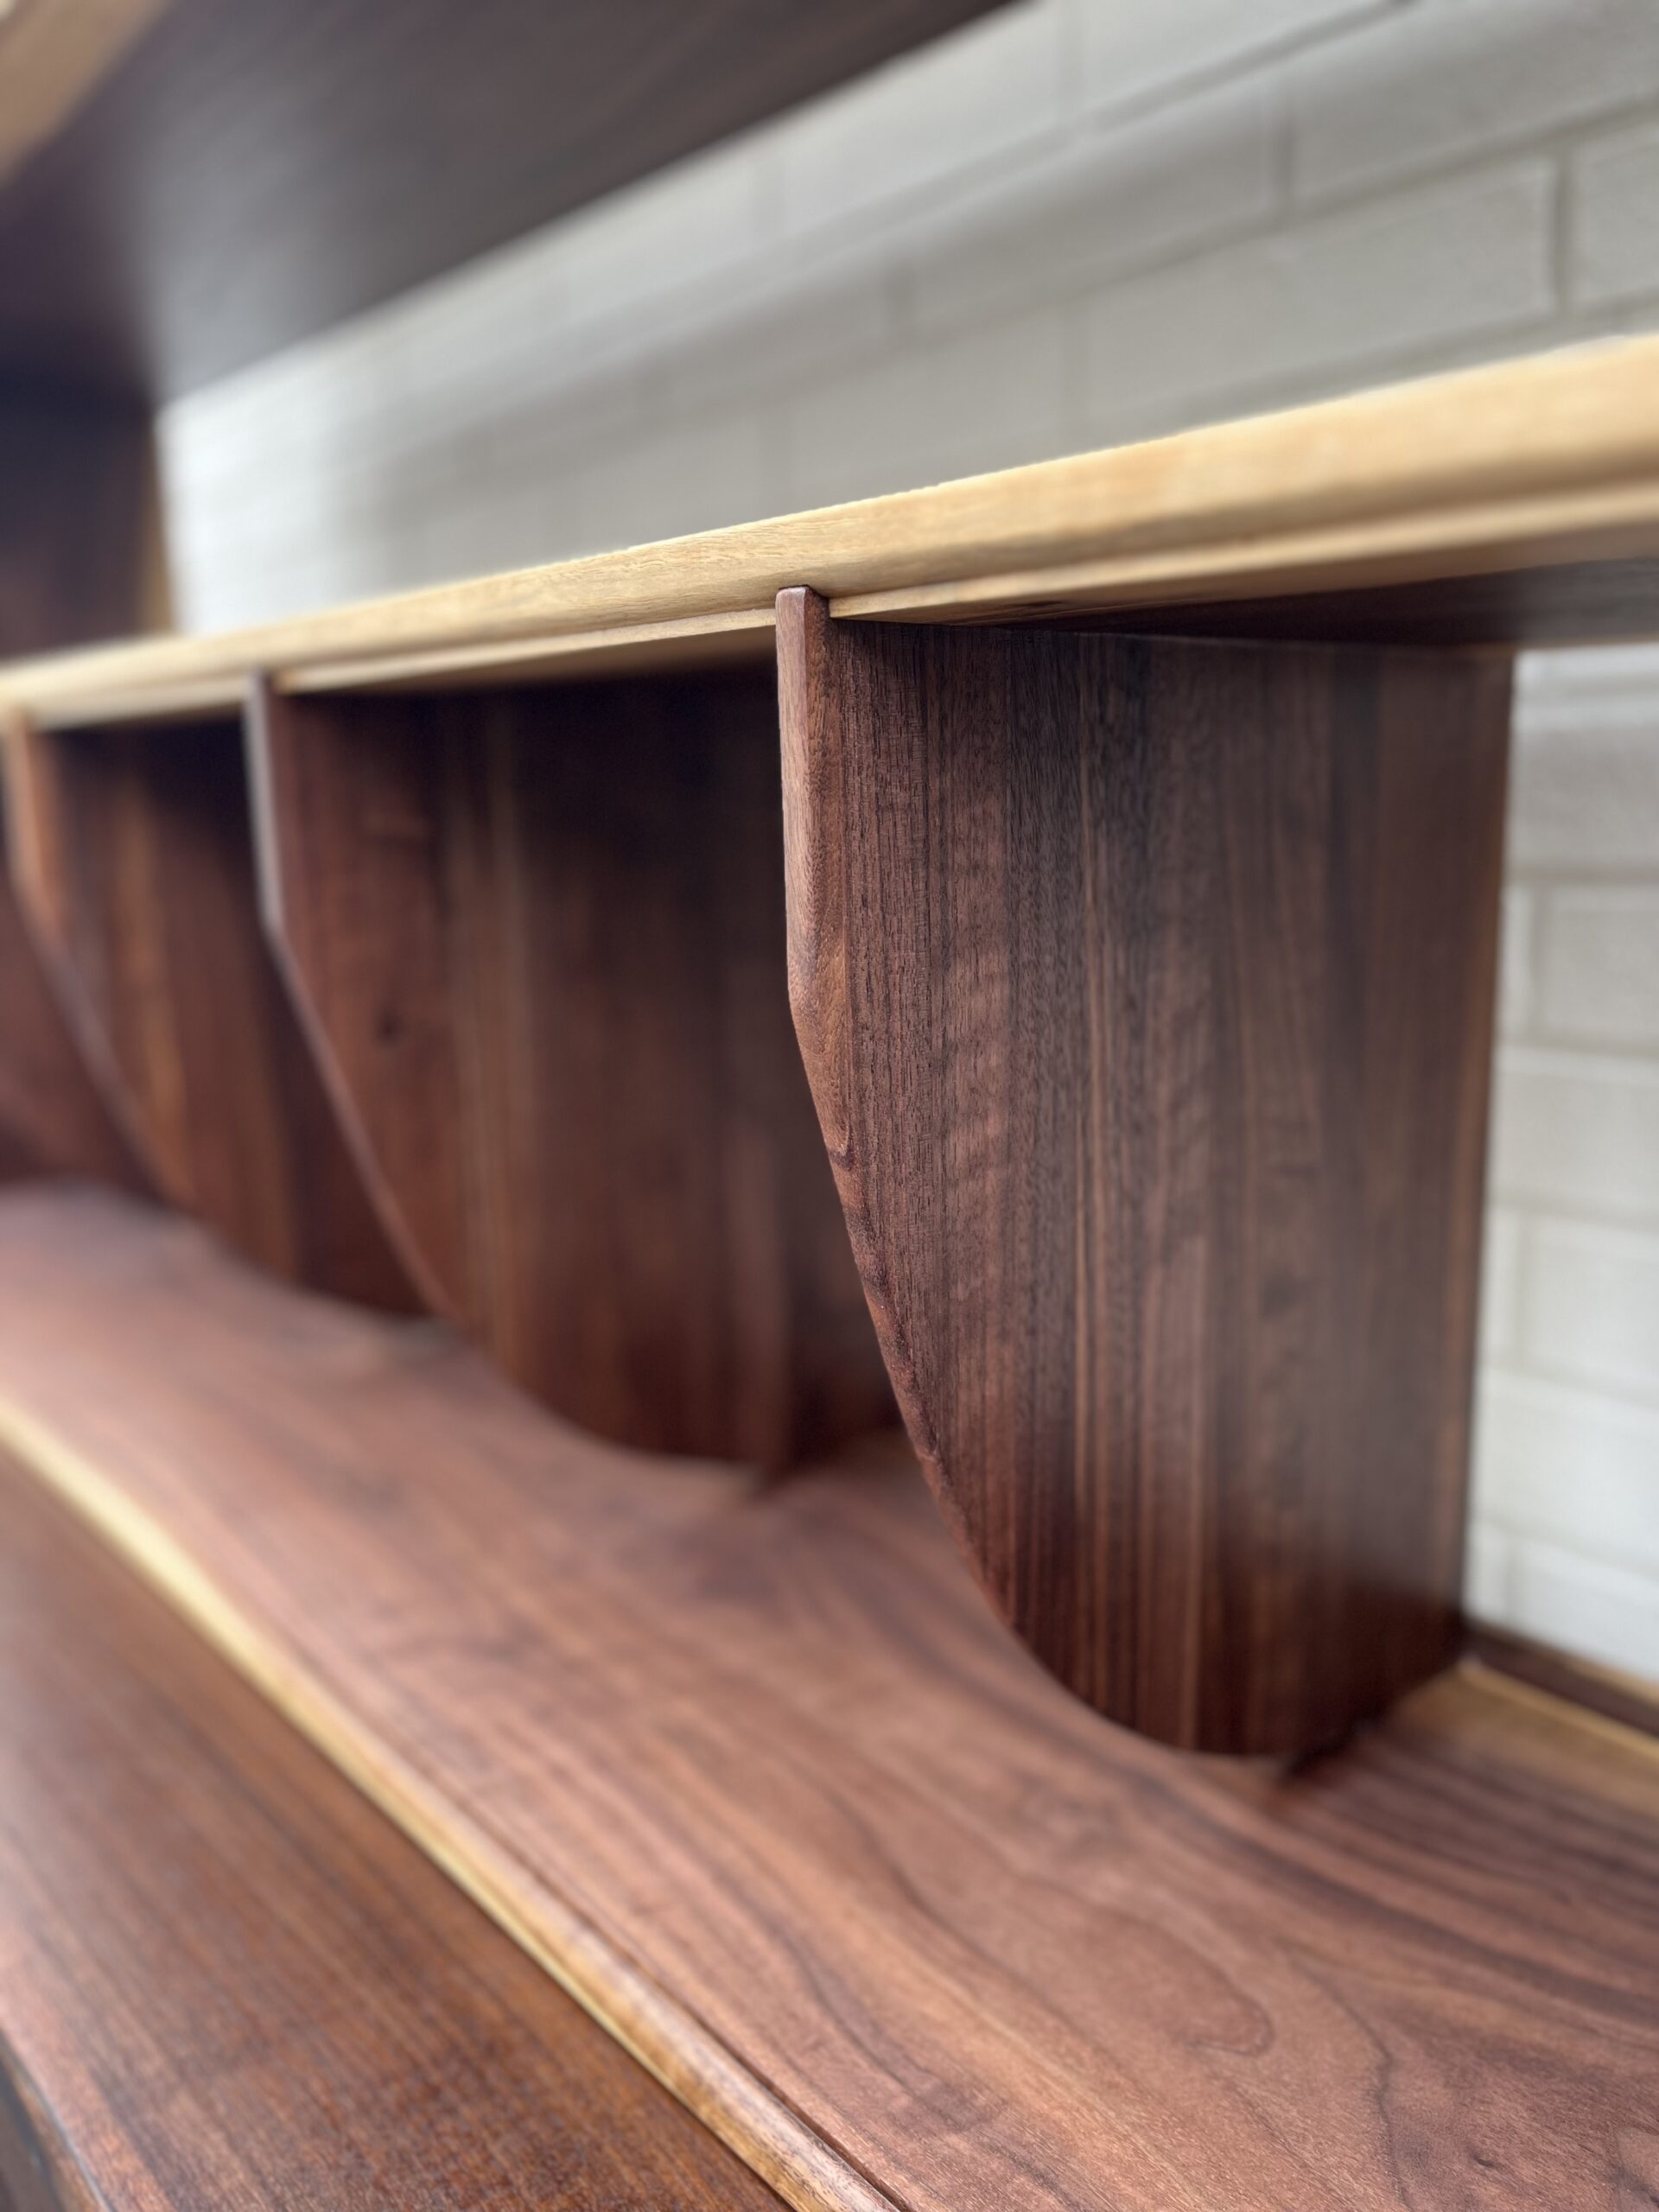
(1513, 503)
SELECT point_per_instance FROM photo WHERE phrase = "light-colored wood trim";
(173, 700)
(717, 641)
(1494, 1682)
(1624, 1699)
(1526, 465)
(1609, 523)
(53, 53)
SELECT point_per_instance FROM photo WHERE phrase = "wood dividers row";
(1143, 990)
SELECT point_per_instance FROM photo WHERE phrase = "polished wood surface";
(754, 1768)
(1145, 993)
(226, 1979)
(540, 936)
(1547, 468)
(133, 855)
(253, 173)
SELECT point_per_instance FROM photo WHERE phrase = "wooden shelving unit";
(1124, 836)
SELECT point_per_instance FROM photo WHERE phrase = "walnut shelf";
(1145, 990)
(753, 1769)
(229, 1980)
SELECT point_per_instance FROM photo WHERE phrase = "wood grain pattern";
(52, 1119)
(753, 1768)
(226, 1979)
(1146, 992)
(133, 856)
(1547, 466)
(541, 939)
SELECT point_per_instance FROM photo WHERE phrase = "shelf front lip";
(1553, 460)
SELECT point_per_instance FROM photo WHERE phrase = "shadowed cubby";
(136, 865)
(540, 936)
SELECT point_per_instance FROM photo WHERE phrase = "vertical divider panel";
(54, 1120)
(540, 936)
(136, 867)
(1146, 990)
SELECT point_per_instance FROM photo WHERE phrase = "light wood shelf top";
(1508, 504)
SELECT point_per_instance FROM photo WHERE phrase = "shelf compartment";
(540, 937)
(54, 1120)
(134, 860)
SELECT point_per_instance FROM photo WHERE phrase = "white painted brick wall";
(1599, 979)
(1567, 1467)
(1373, 284)
(1613, 203)
(1081, 220)
(1439, 86)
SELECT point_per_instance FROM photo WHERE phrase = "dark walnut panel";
(753, 1765)
(135, 860)
(1146, 990)
(52, 1118)
(230, 1981)
(81, 553)
(540, 936)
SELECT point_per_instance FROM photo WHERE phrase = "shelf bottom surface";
(750, 1768)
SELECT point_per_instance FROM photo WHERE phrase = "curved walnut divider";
(135, 864)
(52, 1118)
(1146, 990)
(540, 935)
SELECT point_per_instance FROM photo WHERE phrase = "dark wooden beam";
(251, 173)
(81, 548)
